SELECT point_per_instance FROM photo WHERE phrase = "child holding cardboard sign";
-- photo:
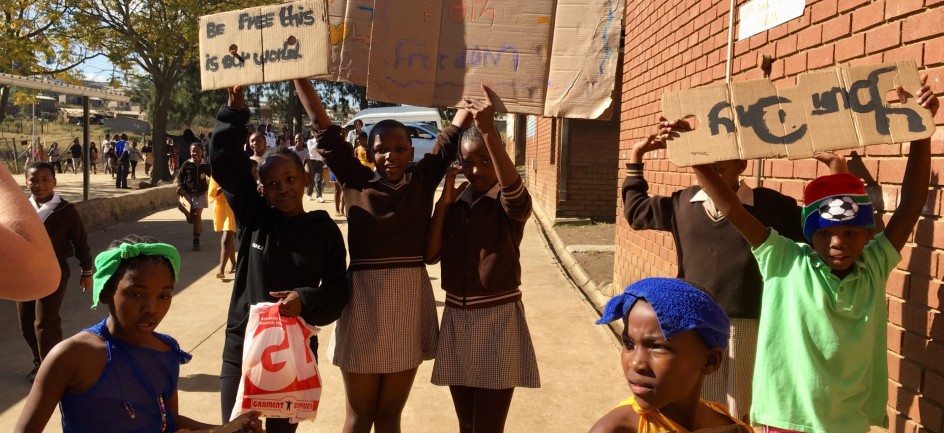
(826, 371)
(699, 230)
(390, 326)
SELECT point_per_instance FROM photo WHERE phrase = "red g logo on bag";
(286, 366)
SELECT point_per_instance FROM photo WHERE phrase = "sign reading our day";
(841, 108)
(263, 44)
(758, 15)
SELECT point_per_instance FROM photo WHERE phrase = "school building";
(574, 167)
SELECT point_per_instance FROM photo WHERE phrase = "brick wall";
(680, 44)
(541, 158)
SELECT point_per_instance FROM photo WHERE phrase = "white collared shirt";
(744, 193)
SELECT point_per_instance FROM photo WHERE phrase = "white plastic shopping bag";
(280, 376)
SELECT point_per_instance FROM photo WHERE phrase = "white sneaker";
(309, 198)
(320, 200)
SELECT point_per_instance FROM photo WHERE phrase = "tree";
(36, 39)
(156, 37)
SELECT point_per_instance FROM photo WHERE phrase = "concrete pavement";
(579, 361)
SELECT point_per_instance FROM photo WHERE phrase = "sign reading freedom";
(544, 57)
(841, 108)
(263, 44)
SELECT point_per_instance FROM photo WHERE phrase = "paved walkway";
(579, 361)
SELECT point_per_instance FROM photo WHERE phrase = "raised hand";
(836, 163)
(926, 97)
(483, 111)
(450, 190)
(237, 98)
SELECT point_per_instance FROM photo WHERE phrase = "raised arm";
(914, 186)
(312, 103)
(434, 234)
(642, 211)
(483, 113)
(229, 162)
(727, 202)
(27, 261)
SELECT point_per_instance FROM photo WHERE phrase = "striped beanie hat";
(836, 200)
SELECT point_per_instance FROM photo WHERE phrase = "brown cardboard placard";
(349, 31)
(583, 59)
(424, 54)
(832, 109)
(273, 43)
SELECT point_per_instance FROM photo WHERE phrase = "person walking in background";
(224, 221)
(93, 157)
(53, 156)
(316, 168)
(40, 323)
(75, 153)
(134, 156)
(192, 184)
(147, 155)
(124, 162)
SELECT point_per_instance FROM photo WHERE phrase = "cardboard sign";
(758, 15)
(555, 58)
(833, 109)
(349, 31)
(583, 59)
(263, 44)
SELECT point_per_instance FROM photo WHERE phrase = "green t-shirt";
(821, 341)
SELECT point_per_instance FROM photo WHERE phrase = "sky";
(97, 69)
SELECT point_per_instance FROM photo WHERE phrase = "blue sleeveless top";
(121, 401)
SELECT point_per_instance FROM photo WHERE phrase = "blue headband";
(679, 306)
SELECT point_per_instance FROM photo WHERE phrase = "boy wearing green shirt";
(820, 363)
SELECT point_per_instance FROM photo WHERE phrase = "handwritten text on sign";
(828, 110)
(263, 44)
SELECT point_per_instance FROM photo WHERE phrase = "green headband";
(107, 262)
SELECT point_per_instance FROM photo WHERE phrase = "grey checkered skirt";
(486, 348)
(390, 323)
(731, 384)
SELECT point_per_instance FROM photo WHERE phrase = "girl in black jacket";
(287, 255)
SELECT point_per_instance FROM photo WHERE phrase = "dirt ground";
(598, 266)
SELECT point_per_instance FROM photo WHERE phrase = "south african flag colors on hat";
(836, 200)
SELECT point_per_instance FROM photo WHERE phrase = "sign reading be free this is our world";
(263, 44)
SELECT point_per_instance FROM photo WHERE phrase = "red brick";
(850, 47)
(821, 57)
(836, 28)
(786, 46)
(906, 52)
(845, 5)
(897, 284)
(917, 260)
(923, 290)
(895, 336)
(868, 16)
(934, 51)
(923, 25)
(905, 372)
(882, 38)
(891, 170)
(898, 8)
(809, 37)
(794, 64)
(823, 10)
(933, 386)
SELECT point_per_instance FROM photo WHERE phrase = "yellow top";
(361, 155)
(653, 421)
(224, 220)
